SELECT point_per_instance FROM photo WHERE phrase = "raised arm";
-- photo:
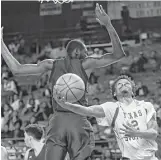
(24, 69)
(109, 58)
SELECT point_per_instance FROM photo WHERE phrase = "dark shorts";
(69, 132)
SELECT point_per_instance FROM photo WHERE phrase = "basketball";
(71, 87)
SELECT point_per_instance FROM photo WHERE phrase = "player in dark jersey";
(34, 139)
(67, 131)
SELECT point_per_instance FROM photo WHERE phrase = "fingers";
(122, 129)
(127, 127)
(102, 10)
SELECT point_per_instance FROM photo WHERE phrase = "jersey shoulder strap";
(115, 117)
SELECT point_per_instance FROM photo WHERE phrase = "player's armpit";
(96, 111)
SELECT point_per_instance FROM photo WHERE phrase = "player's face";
(123, 88)
(79, 54)
(27, 140)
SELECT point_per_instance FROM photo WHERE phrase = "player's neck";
(125, 100)
(38, 147)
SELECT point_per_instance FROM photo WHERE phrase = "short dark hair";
(97, 99)
(117, 79)
(34, 130)
(73, 44)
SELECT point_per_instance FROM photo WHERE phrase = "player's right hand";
(101, 16)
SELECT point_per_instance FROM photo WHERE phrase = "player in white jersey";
(133, 121)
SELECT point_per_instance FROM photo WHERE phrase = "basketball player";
(34, 140)
(4, 153)
(69, 132)
(134, 122)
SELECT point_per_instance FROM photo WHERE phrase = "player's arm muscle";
(109, 58)
(24, 69)
(94, 111)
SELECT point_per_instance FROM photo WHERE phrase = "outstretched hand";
(57, 96)
(129, 131)
(101, 15)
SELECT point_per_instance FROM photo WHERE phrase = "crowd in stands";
(31, 103)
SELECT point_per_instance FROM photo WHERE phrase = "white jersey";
(138, 114)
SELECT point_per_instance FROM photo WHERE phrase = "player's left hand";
(57, 96)
(129, 131)
(101, 16)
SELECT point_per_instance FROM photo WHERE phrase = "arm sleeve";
(109, 110)
(150, 111)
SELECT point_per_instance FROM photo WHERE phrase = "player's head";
(123, 86)
(33, 133)
(76, 49)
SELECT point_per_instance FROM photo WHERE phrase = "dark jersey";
(64, 66)
(41, 156)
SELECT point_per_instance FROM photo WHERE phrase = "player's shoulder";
(147, 105)
(109, 105)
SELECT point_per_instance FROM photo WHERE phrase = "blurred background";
(35, 31)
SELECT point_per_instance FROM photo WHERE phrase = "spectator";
(157, 57)
(35, 47)
(15, 105)
(21, 49)
(6, 133)
(48, 109)
(9, 86)
(94, 87)
(14, 118)
(83, 23)
(14, 46)
(142, 90)
(134, 66)
(96, 101)
(17, 132)
(33, 103)
(141, 62)
(41, 115)
(47, 92)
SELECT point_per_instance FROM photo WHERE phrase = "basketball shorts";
(69, 132)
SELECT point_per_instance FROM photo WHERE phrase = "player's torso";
(137, 117)
(64, 66)
(41, 155)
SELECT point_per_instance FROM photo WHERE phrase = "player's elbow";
(155, 135)
(16, 71)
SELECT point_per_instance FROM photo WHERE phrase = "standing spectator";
(125, 14)
(21, 49)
